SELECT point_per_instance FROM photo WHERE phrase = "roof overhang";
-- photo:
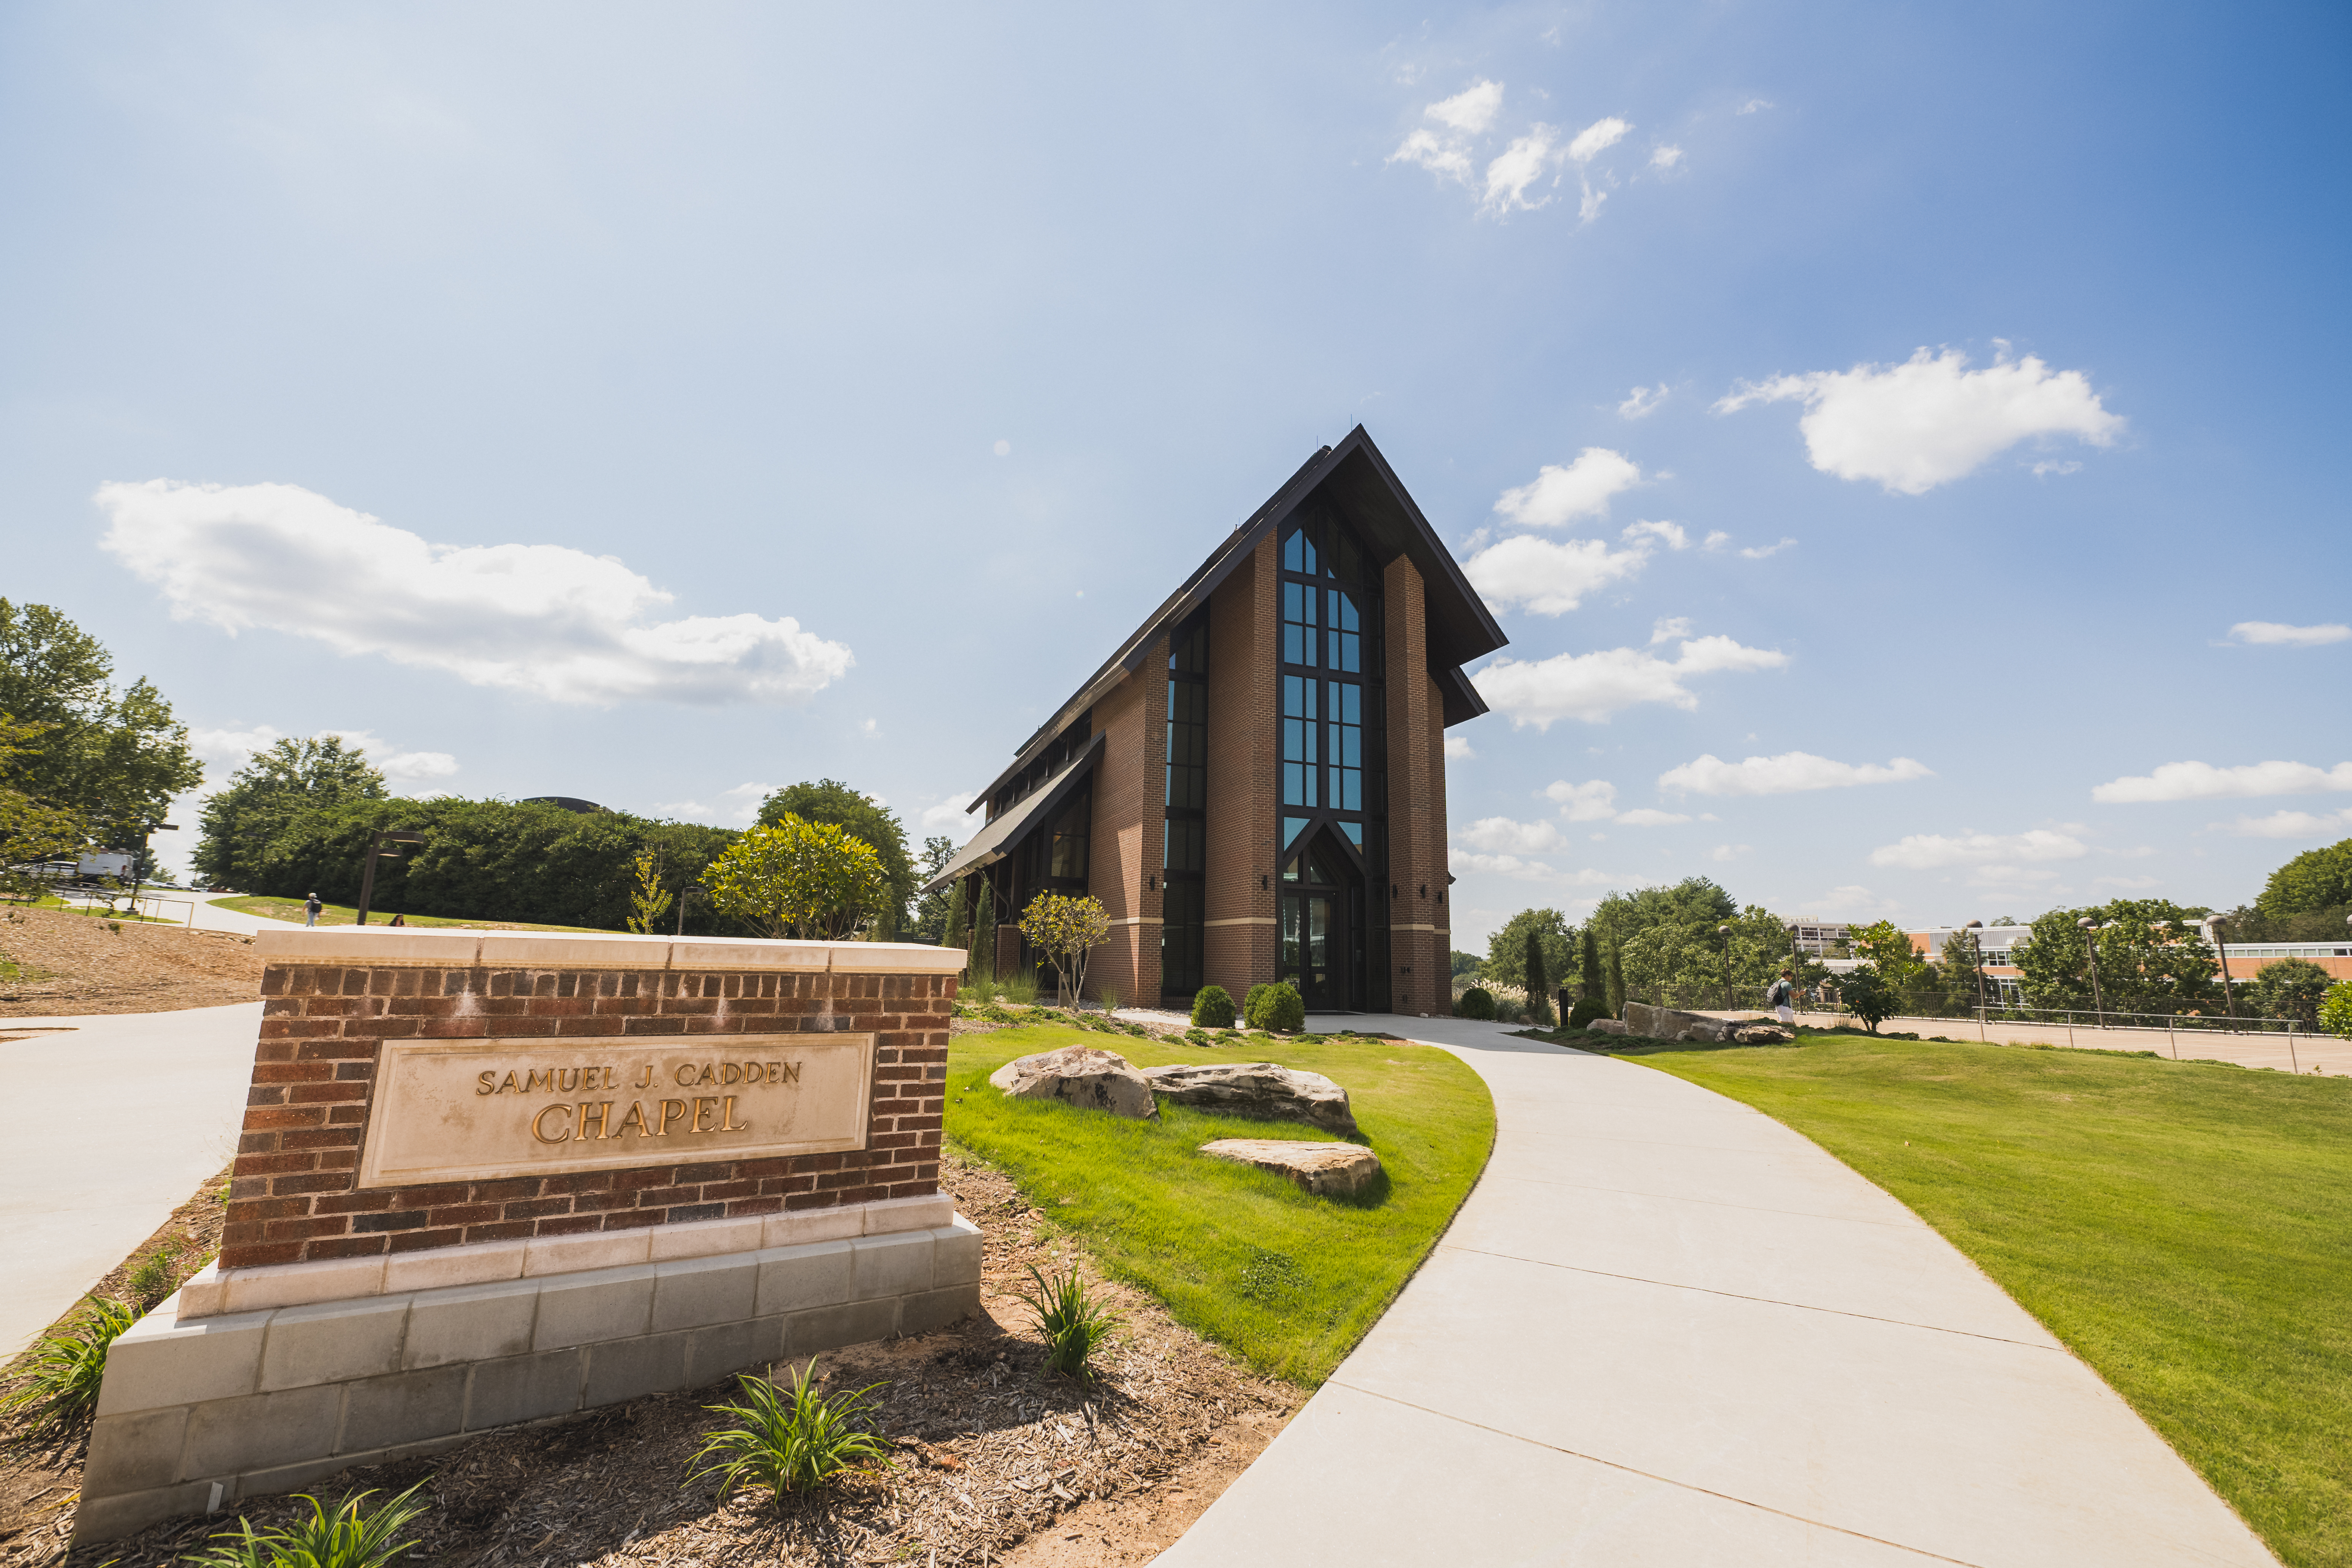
(1016, 822)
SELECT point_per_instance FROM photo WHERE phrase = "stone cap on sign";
(455, 949)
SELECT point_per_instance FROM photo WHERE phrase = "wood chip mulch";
(998, 1460)
(58, 963)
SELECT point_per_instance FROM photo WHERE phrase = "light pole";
(1725, 933)
(376, 851)
(2091, 940)
(1976, 961)
(2229, 1003)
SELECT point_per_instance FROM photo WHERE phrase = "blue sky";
(655, 408)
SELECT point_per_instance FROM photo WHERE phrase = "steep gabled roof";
(1355, 474)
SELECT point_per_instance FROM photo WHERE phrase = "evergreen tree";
(1616, 982)
(1963, 968)
(1590, 986)
(1538, 984)
(983, 935)
(955, 935)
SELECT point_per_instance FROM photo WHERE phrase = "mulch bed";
(68, 963)
(998, 1461)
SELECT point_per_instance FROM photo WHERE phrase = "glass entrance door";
(1314, 949)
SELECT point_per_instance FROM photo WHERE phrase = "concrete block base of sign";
(200, 1411)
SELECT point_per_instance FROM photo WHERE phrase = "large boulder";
(1263, 1091)
(1672, 1024)
(1762, 1035)
(1080, 1076)
(1327, 1170)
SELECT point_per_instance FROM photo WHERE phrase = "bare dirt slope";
(53, 963)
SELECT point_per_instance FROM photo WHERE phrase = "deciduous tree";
(831, 801)
(114, 755)
(1066, 929)
(807, 879)
(278, 786)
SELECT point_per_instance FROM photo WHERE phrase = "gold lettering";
(727, 1123)
(702, 1107)
(603, 1114)
(792, 1072)
(707, 1077)
(489, 1082)
(771, 1072)
(567, 1079)
(729, 1073)
(608, 1077)
(684, 1075)
(671, 1110)
(509, 1085)
(537, 1082)
(636, 1116)
(538, 1124)
(645, 1081)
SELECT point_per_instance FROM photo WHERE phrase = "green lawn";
(2186, 1227)
(1288, 1281)
(290, 909)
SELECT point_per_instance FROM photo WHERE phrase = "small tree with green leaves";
(649, 900)
(954, 934)
(1538, 984)
(983, 934)
(1064, 929)
(1592, 985)
(799, 879)
(2336, 1009)
(1868, 996)
(2291, 988)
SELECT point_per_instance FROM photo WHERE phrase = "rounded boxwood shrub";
(1212, 1008)
(1253, 1005)
(1476, 1002)
(1282, 1009)
(1585, 1011)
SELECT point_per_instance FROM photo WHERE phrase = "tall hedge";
(489, 860)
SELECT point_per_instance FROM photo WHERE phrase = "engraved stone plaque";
(480, 1110)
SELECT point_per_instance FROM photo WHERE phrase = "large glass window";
(1185, 857)
(1302, 734)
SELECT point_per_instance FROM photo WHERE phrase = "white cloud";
(2203, 781)
(1598, 138)
(1846, 902)
(1550, 576)
(542, 619)
(742, 802)
(1558, 495)
(1760, 551)
(1593, 686)
(870, 728)
(1519, 167)
(1649, 817)
(1668, 628)
(1752, 105)
(1457, 749)
(233, 748)
(2290, 825)
(1670, 533)
(1716, 540)
(1731, 851)
(1643, 401)
(1531, 870)
(1784, 774)
(2049, 466)
(1471, 110)
(947, 815)
(1931, 420)
(1501, 836)
(2274, 634)
(1665, 156)
(1438, 154)
(1934, 851)
(1592, 802)
(2134, 883)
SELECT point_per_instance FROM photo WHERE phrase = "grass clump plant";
(791, 1440)
(353, 1535)
(60, 1385)
(1071, 1317)
(156, 1277)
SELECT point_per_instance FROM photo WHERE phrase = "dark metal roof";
(1460, 626)
(1015, 823)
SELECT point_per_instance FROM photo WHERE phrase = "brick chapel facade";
(1253, 785)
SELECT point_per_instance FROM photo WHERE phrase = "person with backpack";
(310, 908)
(1780, 997)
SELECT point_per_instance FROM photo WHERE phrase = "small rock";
(1762, 1035)
(1080, 1076)
(1607, 1026)
(1327, 1170)
(1263, 1090)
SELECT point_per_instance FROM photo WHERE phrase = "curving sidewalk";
(1665, 1328)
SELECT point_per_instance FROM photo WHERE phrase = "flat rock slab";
(1264, 1090)
(1327, 1170)
(1672, 1024)
(1080, 1076)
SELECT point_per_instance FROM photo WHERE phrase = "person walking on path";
(1781, 996)
(310, 908)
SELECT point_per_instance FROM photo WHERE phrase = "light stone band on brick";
(199, 1413)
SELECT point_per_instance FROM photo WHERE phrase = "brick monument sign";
(493, 1177)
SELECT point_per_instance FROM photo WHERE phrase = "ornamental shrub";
(1585, 1011)
(2336, 1009)
(1212, 1008)
(1283, 1010)
(1476, 1002)
(1253, 1005)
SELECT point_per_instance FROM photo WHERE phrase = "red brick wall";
(1125, 831)
(1244, 732)
(1419, 970)
(293, 1197)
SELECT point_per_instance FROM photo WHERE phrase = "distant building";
(1998, 945)
(1253, 785)
(1819, 940)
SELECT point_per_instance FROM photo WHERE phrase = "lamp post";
(2222, 947)
(1725, 933)
(1976, 961)
(377, 850)
(2091, 940)
(1796, 967)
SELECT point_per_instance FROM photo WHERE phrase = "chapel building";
(1253, 785)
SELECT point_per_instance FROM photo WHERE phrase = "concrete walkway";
(1665, 1329)
(2279, 1052)
(117, 1118)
